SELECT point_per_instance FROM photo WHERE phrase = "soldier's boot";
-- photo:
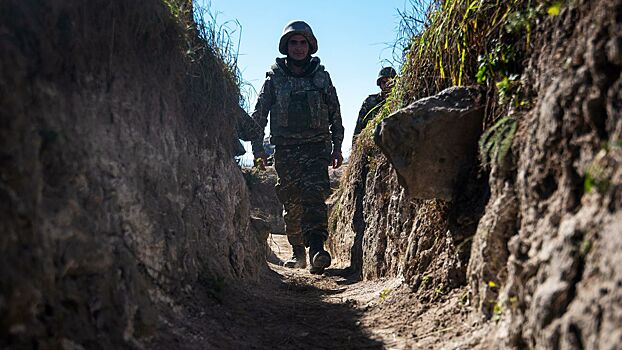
(319, 258)
(298, 259)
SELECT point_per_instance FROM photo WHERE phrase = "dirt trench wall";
(544, 255)
(558, 212)
(381, 232)
(117, 185)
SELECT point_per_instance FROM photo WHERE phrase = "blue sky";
(354, 39)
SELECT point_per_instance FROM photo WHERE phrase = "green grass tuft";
(495, 143)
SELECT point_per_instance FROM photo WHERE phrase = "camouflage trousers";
(303, 187)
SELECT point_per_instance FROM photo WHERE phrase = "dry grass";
(212, 82)
(447, 43)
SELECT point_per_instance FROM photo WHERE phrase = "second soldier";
(374, 102)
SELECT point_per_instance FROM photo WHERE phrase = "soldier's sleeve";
(247, 128)
(334, 113)
(260, 114)
(359, 122)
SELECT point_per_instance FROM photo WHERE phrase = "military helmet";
(297, 27)
(386, 72)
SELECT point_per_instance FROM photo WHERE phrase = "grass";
(446, 43)
(495, 143)
(205, 35)
(497, 311)
(465, 41)
(425, 281)
(213, 84)
(384, 294)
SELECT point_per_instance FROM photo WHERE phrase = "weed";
(372, 163)
(598, 173)
(424, 282)
(445, 43)
(592, 182)
(554, 9)
(455, 34)
(586, 246)
(507, 88)
(181, 9)
(219, 39)
(495, 61)
(497, 311)
(495, 143)
(384, 294)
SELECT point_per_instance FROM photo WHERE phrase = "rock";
(432, 140)
(266, 210)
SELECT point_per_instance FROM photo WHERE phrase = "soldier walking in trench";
(306, 130)
(374, 102)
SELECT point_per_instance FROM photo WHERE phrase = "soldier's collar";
(310, 68)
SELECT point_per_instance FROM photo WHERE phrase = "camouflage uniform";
(305, 119)
(372, 104)
(246, 129)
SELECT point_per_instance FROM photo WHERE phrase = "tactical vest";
(300, 112)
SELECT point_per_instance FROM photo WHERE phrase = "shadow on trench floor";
(286, 309)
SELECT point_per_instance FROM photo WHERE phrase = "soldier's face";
(297, 47)
(386, 84)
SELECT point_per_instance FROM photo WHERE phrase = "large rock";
(431, 141)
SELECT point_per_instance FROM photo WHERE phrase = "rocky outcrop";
(433, 140)
(117, 185)
(381, 231)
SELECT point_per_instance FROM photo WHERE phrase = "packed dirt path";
(292, 309)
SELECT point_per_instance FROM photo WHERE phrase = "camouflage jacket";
(247, 129)
(303, 109)
(372, 104)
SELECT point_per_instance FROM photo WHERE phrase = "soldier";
(374, 102)
(306, 130)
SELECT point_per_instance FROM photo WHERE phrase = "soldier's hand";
(337, 159)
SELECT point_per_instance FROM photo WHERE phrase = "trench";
(290, 308)
(127, 226)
